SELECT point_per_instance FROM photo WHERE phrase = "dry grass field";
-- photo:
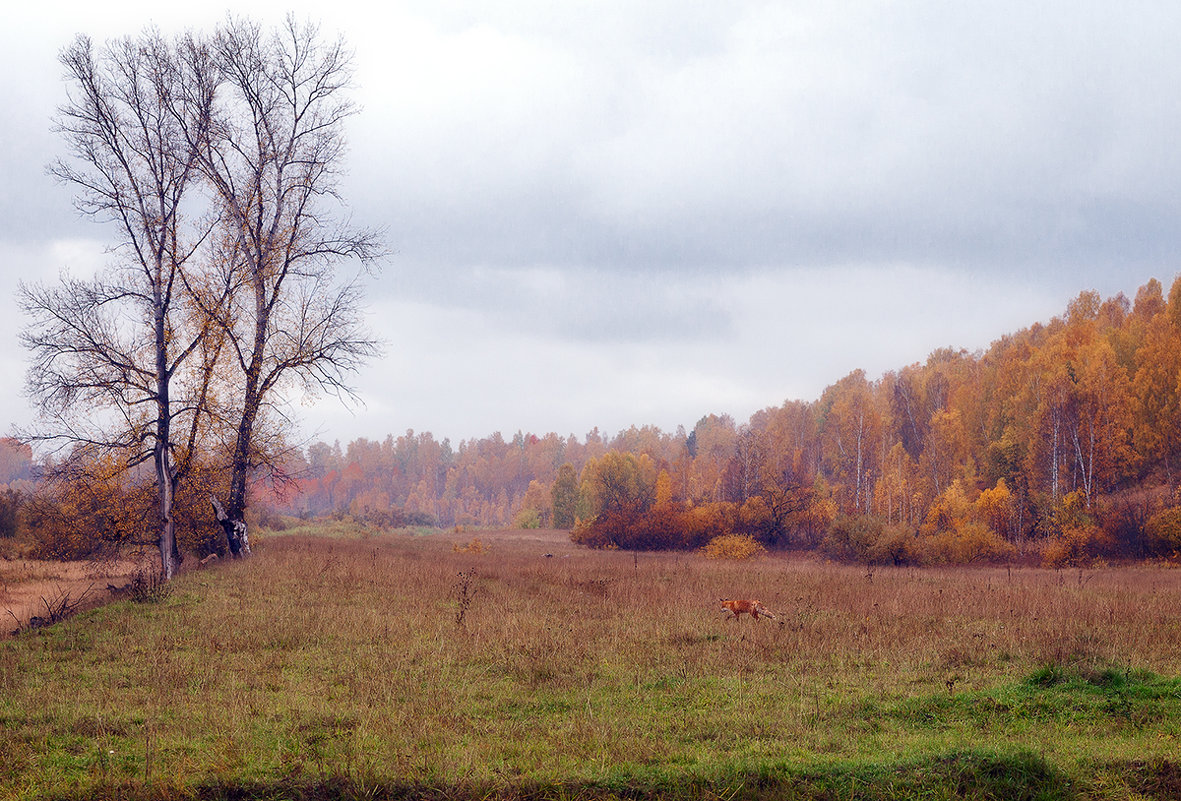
(31, 588)
(520, 666)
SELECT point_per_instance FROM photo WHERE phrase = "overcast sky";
(616, 213)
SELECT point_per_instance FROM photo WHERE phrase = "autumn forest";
(1059, 443)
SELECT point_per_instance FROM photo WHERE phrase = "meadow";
(434, 665)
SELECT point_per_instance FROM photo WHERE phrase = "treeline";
(17, 482)
(1061, 442)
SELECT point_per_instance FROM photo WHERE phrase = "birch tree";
(274, 160)
(108, 351)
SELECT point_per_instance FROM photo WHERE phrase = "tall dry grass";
(403, 657)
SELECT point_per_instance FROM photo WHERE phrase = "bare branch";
(274, 158)
(105, 352)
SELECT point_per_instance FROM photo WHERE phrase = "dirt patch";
(30, 587)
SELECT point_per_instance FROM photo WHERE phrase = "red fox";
(753, 608)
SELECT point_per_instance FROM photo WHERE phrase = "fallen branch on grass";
(62, 606)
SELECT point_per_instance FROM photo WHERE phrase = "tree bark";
(235, 528)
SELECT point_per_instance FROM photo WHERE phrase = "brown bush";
(871, 540)
(1074, 546)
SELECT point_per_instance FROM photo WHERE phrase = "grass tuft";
(148, 587)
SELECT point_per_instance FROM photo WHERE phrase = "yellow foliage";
(536, 507)
(664, 489)
(969, 542)
(1163, 532)
(1072, 512)
(733, 546)
(473, 546)
(1074, 546)
(997, 509)
(948, 511)
(820, 514)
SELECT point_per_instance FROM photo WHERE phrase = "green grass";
(335, 668)
(347, 528)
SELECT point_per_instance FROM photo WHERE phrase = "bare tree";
(274, 160)
(217, 161)
(107, 351)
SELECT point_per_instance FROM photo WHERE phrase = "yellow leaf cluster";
(733, 546)
(474, 545)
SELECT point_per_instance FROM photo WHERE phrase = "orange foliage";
(93, 507)
(474, 545)
(974, 453)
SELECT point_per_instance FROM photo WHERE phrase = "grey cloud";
(593, 306)
(651, 193)
(926, 133)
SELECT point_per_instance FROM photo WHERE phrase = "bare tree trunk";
(235, 529)
(233, 516)
(860, 433)
(170, 557)
(1054, 460)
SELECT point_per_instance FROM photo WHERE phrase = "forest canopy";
(1060, 442)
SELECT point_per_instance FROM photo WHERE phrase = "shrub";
(870, 540)
(969, 542)
(1073, 546)
(1163, 532)
(733, 546)
(708, 520)
(661, 528)
(586, 533)
(527, 518)
(91, 506)
(850, 539)
(473, 546)
(87, 517)
(896, 545)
